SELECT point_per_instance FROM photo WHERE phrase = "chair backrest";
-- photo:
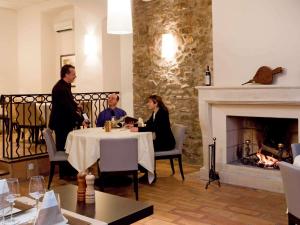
(295, 149)
(51, 147)
(291, 183)
(179, 135)
(118, 154)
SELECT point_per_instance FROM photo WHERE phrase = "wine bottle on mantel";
(207, 78)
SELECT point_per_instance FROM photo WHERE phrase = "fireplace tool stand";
(213, 175)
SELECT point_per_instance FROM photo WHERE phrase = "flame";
(265, 160)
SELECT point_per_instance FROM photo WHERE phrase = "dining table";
(83, 147)
(108, 208)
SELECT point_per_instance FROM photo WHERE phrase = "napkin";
(3, 193)
(50, 213)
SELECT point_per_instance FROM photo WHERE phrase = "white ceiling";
(18, 4)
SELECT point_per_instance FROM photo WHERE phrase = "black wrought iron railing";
(23, 117)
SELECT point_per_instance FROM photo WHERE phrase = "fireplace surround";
(217, 103)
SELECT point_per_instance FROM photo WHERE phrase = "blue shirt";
(107, 114)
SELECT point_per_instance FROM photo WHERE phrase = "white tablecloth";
(83, 147)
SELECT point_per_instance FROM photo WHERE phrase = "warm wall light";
(119, 17)
(90, 45)
(168, 46)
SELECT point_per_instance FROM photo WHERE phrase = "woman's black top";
(160, 125)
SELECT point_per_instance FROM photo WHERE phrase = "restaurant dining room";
(149, 112)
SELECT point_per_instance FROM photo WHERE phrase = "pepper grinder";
(81, 186)
(90, 191)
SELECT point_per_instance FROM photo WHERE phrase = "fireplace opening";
(260, 141)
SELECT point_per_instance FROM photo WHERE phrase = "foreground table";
(113, 210)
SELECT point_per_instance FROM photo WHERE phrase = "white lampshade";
(119, 17)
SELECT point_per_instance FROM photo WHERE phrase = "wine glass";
(58, 200)
(37, 189)
(3, 203)
(13, 193)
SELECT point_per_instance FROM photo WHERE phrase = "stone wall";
(190, 21)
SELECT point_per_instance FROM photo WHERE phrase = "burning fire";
(265, 160)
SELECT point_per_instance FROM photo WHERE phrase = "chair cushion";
(165, 153)
(60, 156)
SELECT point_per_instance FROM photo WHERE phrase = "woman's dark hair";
(65, 70)
(2, 100)
(157, 99)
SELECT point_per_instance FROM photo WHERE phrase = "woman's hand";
(134, 129)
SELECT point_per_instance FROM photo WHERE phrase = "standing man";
(64, 115)
(111, 111)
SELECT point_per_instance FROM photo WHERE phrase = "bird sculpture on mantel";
(264, 75)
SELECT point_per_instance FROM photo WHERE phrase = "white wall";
(111, 60)
(126, 100)
(8, 52)
(88, 21)
(37, 49)
(55, 44)
(31, 52)
(34, 71)
(48, 53)
(249, 34)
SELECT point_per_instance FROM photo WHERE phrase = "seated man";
(111, 111)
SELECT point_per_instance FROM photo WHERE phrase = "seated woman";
(159, 124)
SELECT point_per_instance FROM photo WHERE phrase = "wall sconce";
(168, 46)
(119, 17)
(90, 45)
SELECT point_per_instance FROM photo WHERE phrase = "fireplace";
(260, 141)
(222, 107)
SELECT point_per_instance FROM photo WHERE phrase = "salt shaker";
(90, 191)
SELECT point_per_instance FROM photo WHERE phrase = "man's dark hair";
(65, 70)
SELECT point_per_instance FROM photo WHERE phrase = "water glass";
(37, 189)
(13, 193)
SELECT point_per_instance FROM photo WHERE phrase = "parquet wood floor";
(188, 203)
